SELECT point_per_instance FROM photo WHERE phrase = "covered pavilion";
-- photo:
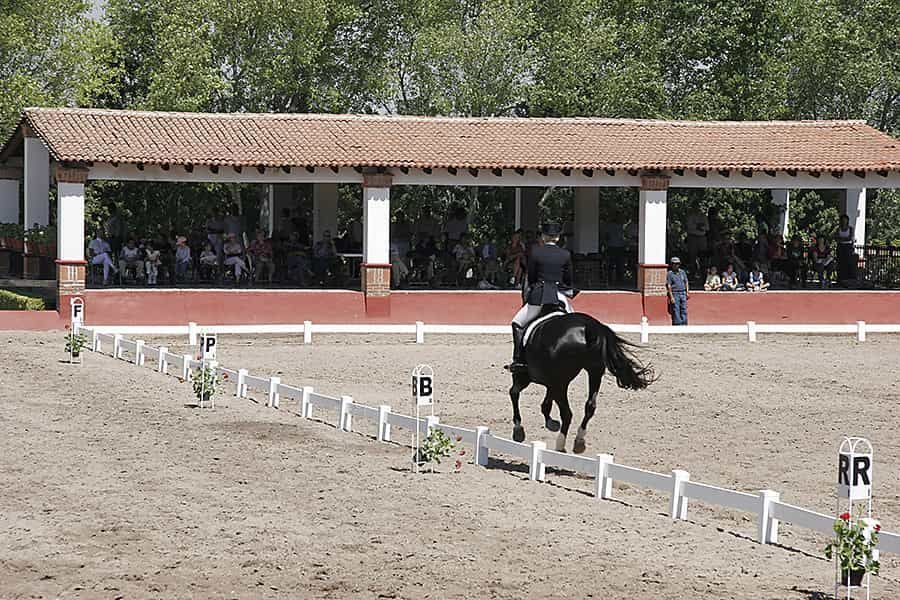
(74, 146)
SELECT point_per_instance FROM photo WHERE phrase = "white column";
(70, 225)
(587, 220)
(325, 199)
(782, 199)
(267, 213)
(855, 208)
(37, 183)
(377, 220)
(9, 200)
(652, 226)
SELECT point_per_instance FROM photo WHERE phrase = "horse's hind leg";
(520, 382)
(594, 378)
(565, 414)
(549, 422)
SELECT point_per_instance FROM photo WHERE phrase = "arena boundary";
(766, 505)
(750, 328)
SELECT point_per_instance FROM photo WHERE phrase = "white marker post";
(76, 310)
(423, 395)
(854, 484)
(207, 363)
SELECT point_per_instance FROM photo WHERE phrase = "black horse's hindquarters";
(559, 349)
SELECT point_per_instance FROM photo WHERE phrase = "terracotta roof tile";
(81, 135)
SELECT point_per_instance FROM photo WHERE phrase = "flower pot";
(76, 353)
(853, 577)
(205, 396)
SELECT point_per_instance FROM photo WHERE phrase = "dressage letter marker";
(208, 346)
(855, 469)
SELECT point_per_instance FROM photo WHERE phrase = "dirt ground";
(113, 486)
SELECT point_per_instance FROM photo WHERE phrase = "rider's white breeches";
(529, 313)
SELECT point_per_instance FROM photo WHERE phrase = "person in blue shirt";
(678, 291)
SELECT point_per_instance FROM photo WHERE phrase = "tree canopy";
(734, 59)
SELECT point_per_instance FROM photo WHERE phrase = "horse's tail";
(630, 373)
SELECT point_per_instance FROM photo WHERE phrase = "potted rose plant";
(75, 342)
(206, 382)
(854, 546)
(436, 446)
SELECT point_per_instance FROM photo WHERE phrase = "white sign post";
(208, 362)
(854, 484)
(76, 310)
(423, 396)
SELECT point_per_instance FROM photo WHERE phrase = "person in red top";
(261, 251)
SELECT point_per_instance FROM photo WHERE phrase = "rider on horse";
(549, 275)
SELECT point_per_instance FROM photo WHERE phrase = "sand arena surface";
(112, 487)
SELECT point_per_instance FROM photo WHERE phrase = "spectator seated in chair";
(297, 258)
(422, 260)
(729, 279)
(234, 256)
(713, 281)
(823, 260)
(325, 258)
(263, 256)
(464, 255)
(209, 262)
(795, 262)
(152, 262)
(399, 269)
(489, 267)
(182, 257)
(757, 281)
(131, 260)
(515, 259)
(99, 251)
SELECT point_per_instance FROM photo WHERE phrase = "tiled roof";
(274, 140)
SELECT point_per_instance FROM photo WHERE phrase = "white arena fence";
(419, 329)
(766, 505)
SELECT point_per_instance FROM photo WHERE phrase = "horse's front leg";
(590, 406)
(520, 382)
(565, 414)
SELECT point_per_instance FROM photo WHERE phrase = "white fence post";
(192, 333)
(860, 331)
(117, 345)
(603, 482)
(536, 468)
(95, 341)
(305, 404)
(186, 367)
(384, 428)
(751, 330)
(307, 332)
(420, 332)
(239, 390)
(481, 450)
(768, 527)
(274, 399)
(162, 365)
(678, 501)
(345, 422)
(139, 352)
(645, 330)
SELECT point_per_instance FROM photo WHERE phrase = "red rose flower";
(458, 464)
(845, 516)
(877, 528)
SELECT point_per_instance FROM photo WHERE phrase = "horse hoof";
(519, 434)
(579, 447)
(552, 425)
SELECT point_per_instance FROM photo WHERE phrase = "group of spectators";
(745, 264)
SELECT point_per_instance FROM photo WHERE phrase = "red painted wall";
(30, 320)
(171, 307)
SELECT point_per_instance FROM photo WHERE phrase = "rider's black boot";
(518, 361)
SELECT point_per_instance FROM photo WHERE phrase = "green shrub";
(12, 301)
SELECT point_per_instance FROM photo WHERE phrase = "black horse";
(557, 351)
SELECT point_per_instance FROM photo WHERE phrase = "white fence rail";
(751, 329)
(766, 504)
